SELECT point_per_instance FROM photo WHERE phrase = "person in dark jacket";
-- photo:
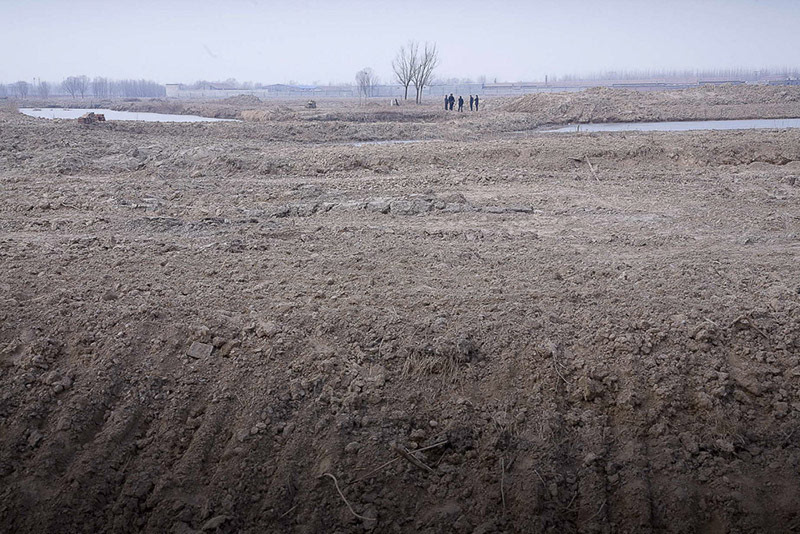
(471, 102)
(460, 103)
(476, 102)
(446, 102)
(451, 99)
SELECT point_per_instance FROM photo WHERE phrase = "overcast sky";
(320, 41)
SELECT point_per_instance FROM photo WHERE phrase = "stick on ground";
(540, 477)
(406, 454)
(572, 500)
(555, 365)
(747, 322)
(502, 483)
(393, 460)
(336, 483)
(287, 512)
(592, 169)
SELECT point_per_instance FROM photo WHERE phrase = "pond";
(679, 126)
(111, 115)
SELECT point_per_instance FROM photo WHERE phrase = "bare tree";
(362, 79)
(83, 85)
(43, 89)
(100, 87)
(373, 83)
(366, 80)
(405, 65)
(76, 85)
(21, 89)
(70, 85)
(423, 74)
(3, 90)
(136, 88)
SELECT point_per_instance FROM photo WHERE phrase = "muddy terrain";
(280, 326)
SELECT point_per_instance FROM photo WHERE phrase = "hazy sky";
(322, 41)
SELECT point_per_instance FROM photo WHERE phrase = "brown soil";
(592, 332)
(701, 103)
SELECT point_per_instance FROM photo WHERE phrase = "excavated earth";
(256, 326)
(602, 104)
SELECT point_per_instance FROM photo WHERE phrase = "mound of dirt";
(281, 113)
(602, 104)
(242, 100)
(214, 109)
(155, 105)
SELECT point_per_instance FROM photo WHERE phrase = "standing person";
(451, 100)
(460, 103)
(471, 102)
(446, 102)
(476, 102)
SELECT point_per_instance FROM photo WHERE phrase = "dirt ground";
(625, 105)
(600, 104)
(252, 327)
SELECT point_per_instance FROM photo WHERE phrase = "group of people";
(449, 101)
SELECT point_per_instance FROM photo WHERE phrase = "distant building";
(173, 90)
(788, 81)
(721, 82)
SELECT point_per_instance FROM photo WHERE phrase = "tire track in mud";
(628, 452)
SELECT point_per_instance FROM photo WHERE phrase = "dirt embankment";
(622, 105)
(252, 108)
(199, 323)
(291, 123)
(223, 109)
(593, 105)
(317, 146)
(507, 114)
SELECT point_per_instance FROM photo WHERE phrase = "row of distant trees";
(366, 81)
(19, 89)
(83, 86)
(738, 74)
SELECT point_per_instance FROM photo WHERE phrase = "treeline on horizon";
(82, 87)
(101, 87)
(735, 74)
